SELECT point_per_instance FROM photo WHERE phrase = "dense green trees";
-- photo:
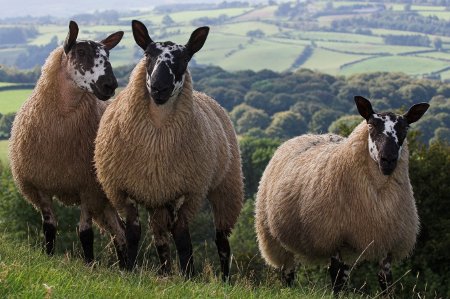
(6, 121)
(271, 102)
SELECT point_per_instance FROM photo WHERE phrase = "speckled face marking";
(88, 63)
(167, 62)
(387, 132)
(166, 70)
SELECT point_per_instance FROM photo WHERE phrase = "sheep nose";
(158, 89)
(388, 160)
(110, 87)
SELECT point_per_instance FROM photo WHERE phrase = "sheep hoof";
(288, 278)
(50, 235)
(87, 242)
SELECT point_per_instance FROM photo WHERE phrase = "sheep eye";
(370, 127)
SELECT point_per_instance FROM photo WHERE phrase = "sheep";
(325, 196)
(52, 141)
(165, 146)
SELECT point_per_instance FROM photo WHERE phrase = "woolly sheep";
(324, 196)
(165, 146)
(52, 141)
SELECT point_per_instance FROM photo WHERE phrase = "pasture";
(11, 100)
(4, 151)
(230, 46)
(65, 276)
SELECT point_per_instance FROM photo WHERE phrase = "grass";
(437, 55)
(258, 55)
(11, 100)
(443, 15)
(7, 84)
(370, 48)
(445, 75)
(408, 64)
(242, 28)
(264, 13)
(188, 16)
(329, 61)
(338, 36)
(4, 151)
(25, 272)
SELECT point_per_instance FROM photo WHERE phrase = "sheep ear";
(416, 112)
(364, 107)
(112, 40)
(197, 40)
(71, 36)
(140, 34)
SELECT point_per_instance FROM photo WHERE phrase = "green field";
(229, 47)
(11, 100)
(27, 273)
(410, 65)
(329, 61)
(4, 151)
(188, 16)
(370, 48)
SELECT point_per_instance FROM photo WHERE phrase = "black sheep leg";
(49, 228)
(86, 234)
(385, 278)
(182, 239)
(288, 276)
(224, 251)
(339, 273)
(132, 233)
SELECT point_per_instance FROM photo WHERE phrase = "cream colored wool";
(52, 145)
(186, 148)
(321, 194)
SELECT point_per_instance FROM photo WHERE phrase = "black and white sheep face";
(167, 62)
(166, 69)
(387, 132)
(89, 65)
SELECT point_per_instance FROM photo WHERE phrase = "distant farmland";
(278, 45)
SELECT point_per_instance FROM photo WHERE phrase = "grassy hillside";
(11, 100)
(27, 273)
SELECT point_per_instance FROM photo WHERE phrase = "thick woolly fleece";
(52, 144)
(321, 194)
(178, 153)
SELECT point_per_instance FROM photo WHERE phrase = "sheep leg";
(159, 222)
(288, 275)
(42, 202)
(132, 232)
(385, 278)
(182, 237)
(110, 221)
(49, 228)
(86, 234)
(226, 203)
(273, 252)
(339, 273)
(223, 248)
